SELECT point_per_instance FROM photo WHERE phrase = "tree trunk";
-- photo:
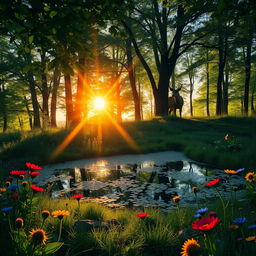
(225, 92)
(252, 98)
(207, 84)
(191, 89)
(68, 100)
(118, 98)
(32, 88)
(247, 73)
(45, 92)
(132, 79)
(29, 113)
(55, 86)
(77, 118)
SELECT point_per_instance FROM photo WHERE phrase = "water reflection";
(131, 185)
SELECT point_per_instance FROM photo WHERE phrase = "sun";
(99, 103)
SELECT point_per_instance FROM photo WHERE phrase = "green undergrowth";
(200, 139)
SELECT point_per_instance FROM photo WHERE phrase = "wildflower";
(250, 176)
(240, 220)
(77, 196)
(233, 226)
(213, 182)
(19, 223)
(194, 189)
(198, 215)
(176, 199)
(226, 137)
(16, 173)
(202, 210)
(9, 179)
(205, 224)
(190, 248)
(235, 188)
(21, 177)
(251, 238)
(12, 187)
(36, 189)
(141, 215)
(212, 214)
(34, 174)
(45, 214)
(14, 196)
(240, 170)
(60, 214)
(2, 189)
(8, 183)
(24, 184)
(230, 171)
(38, 236)
(7, 209)
(33, 166)
(252, 226)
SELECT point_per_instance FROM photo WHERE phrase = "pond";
(144, 180)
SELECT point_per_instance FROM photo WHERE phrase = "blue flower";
(12, 187)
(240, 170)
(252, 226)
(7, 209)
(5, 203)
(240, 220)
(202, 210)
(197, 215)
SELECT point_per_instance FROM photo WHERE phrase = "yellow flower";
(176, 199)
(45, 214)
(251, 238)
(250, 176)
(19, 223)
(226, 137)
(230, 171)
(38, 236)
(190, 248)
(60, 214)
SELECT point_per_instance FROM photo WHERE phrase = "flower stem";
(60, 230)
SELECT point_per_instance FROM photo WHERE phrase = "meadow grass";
(200, 139)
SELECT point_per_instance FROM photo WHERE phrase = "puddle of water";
(143, 184)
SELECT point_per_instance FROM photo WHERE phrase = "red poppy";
(34, 174)
(9, 179)
(77, 196)
(213, 182)
(17, 173)
(33, 166)
(36, 189)
(205, 224)
(14, 196)
(141, 215)
(212, 214)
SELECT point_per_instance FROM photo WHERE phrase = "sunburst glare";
(99, 103)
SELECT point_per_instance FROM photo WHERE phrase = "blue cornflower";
(197, 215)
(240, 220)
(252, 226)
(202, 210)
(13, 187)
(240, 170)
(7, 209)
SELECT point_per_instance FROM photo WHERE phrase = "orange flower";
(176, 199)
(233, 226)
(38, 236)
(190, 248)
(45, 214)
(2, 189)
(226, 137)
(19, 223)
(250, 176)
(230, 171)
(60, 214)
(194, 189)
(251, 238)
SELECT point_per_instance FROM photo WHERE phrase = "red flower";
(77, 196)
(14, 196)
(36, 189)
(141, 215)
(205, 224)
(33, 166)
(17, 173)
(9, 179)
(213, 182)
(34, 174)
(212, 214)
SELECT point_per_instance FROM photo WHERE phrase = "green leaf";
(30, 39)
(52, 247)
(54, 31)
(47, 8)
(53, 13)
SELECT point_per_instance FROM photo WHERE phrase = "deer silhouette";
(175, 101)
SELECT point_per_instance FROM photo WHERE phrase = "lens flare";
(99, 103)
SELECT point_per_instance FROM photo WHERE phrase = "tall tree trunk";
(28, 112)
(118, 98)
(3, 107)
(141, 97)
(252, 98)
(32, 88)
(225, 92)
(79, 92)
(45, 92)
(68, 100)
(55, 86)
(191, 89)
(247, 72)
(207, 84)
(132, 79)
(220, 75)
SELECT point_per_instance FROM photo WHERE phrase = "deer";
(175, 101)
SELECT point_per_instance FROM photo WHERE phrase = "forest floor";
(201, 139)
